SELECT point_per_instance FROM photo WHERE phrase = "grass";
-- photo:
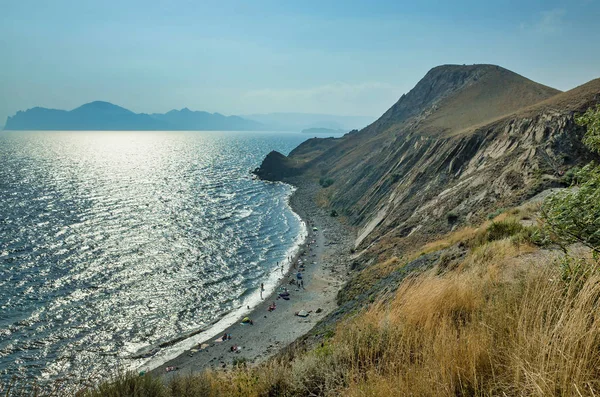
(364, 280)
(130, 385)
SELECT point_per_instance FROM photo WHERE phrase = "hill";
(301, 121)
(105, 116)
(186, 119)
(482, 133)
(321, 131)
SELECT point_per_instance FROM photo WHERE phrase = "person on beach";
(302, 284)
(262, 289)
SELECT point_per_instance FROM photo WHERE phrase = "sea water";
(112, 243)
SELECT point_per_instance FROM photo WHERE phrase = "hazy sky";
(239, 57)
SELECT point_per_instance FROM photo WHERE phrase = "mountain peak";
(452, 97)
(101, 106)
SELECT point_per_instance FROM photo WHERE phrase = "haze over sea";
(114, 242)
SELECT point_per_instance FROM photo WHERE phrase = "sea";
(115, 243)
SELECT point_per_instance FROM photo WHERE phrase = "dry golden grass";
(467, 334)
(469, 233)
(322, 198)
(364, 280)
(462, 234)
(503, 324)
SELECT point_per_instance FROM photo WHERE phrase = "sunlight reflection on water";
(113, 241)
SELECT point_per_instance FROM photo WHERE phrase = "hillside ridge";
(465, 140)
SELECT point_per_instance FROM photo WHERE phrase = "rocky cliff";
(465, 141)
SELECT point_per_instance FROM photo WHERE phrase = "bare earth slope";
(464, 141)
(496, 93)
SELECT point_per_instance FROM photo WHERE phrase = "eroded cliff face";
(433, 184)
(465, 141)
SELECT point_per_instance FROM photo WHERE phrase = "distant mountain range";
(302, 121)
(323, 131)
(105, 116)
(100, 115)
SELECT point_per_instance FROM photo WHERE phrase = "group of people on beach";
(299, 267)
(297, 278)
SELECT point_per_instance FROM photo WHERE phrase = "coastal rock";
(276, 167)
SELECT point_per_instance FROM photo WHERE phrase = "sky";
(245, 57)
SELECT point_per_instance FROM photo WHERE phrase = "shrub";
(508, 227)
(570, 177)
(591, 119)
(240, 362)
(494, 214)
(574, 215)
(326, 182)
(452, 217)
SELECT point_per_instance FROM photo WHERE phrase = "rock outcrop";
(276, 167)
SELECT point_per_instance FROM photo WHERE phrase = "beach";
(323, 254)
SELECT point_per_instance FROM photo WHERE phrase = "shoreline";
(322, 252)
(173, 348)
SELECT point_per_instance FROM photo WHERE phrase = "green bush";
(494, 214)
(326, 182)
(452, 217)
(503, 229)
(570, 177)
(240, 362)
(573, 216)
(591, 119)
(574, 269)
(509, 227)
